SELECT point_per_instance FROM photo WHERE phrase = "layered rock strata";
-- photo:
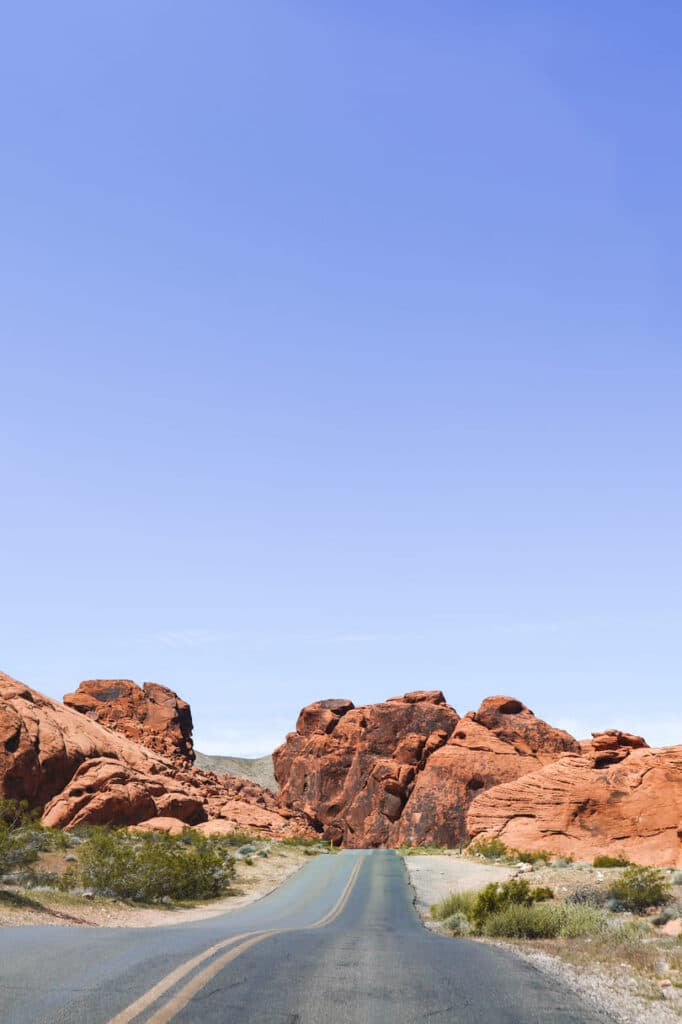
(617, 796)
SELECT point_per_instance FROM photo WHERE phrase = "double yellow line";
(235, 946)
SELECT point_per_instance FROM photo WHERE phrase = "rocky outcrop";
(406, 771)
(151, 714)
(502, 741)
(104, 791)
(351, 770)
(617, 796)
(77, 770)
(43, 743)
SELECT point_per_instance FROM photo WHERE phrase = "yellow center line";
(180, 1000)
(132, 1011)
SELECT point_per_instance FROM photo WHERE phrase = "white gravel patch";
(435, 876)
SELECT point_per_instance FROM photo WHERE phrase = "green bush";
(496, 898)
(523, 921)
(21, 838)
(455, 903)
(639, 888)
(604, 861)
(301, 841)
(155, 866)
(530, 856)
(542, 921)
(457, 924)
(578, 920)
(488, 849)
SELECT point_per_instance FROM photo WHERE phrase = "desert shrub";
(577, 920)
(543, 921)
(497, 897)
(21, 838)
(301, 841)
(603, 861)
(239, 837)
(457, 924)
(530, 856)
(639, 888)
(523, 921)
(455, 903)
(562, 862)
(155, 866)
(587, 896)
(488, 849)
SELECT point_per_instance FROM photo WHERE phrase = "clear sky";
(341, 355)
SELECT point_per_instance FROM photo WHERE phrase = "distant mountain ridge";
(260, 770)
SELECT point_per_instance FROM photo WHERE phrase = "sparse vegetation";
(494, 849)
(605, 861)
(639, 888)
(427, 849)
(22, 837)
(455, 903)
(488, 849)
(498, 897)
(154, 866)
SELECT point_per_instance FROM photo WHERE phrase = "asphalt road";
(339, 943)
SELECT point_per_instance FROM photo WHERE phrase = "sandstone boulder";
(42, 744)
(500, 742)
(104, 791)
(581, 805)
(151, 715)
(350, 770)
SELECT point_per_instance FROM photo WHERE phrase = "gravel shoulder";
(613, 990)
(435, 876)
(253, 882)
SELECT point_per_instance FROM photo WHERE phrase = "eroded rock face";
(350, 770)
(151, 714)
(104, 791)
(77, 770)
(406, 771)
(619, 797)
(500, 742)
(43, 743)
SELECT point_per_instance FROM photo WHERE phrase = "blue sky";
(341, 355)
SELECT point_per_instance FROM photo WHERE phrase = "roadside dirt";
(611, 979)
(435, 876)
(36, 906)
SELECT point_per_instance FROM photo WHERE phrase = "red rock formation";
(77, 771)
(350, 770)
(619, 797)
(42, 744)
(405, 771)
(104, 791)
(501, 741)
(151, 714)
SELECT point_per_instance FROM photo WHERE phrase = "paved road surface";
(339, 943)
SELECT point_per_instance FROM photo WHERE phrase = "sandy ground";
(435, 876)
(252, 883)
